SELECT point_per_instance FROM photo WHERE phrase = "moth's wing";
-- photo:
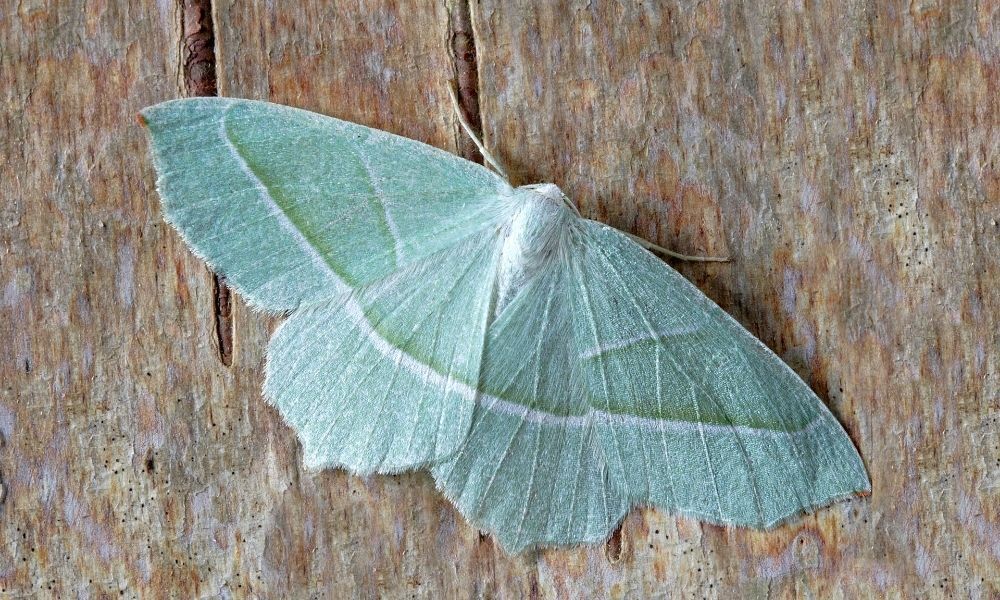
(532, 469)
(292, 206)
(696, 415)
(382, 379)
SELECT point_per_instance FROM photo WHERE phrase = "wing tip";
(161, 110)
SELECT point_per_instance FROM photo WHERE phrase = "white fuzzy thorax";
(533, 238)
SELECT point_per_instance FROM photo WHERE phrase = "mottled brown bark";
(844, 154)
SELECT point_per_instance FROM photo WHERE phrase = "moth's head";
(551, 193)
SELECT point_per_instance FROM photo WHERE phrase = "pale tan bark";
(844, 154)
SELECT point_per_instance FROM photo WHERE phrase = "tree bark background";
(844, 154)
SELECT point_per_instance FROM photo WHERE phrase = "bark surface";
(844, 154)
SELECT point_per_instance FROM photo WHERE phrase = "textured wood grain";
(844, 154)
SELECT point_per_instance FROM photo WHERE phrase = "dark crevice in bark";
(223, 319)
(462, 47)
(199, 48)
(613, 547)
(200, 80)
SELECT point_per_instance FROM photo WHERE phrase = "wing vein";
(280, 215)
(378, 198)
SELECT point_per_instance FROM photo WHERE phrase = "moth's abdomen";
(535, 234)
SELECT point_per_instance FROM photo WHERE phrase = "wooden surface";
(844, 154)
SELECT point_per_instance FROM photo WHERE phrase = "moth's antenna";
(475, 140)
(653, 247)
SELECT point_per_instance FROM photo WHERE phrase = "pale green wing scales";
(522, 473)
(292, 206)
(383, 378)
(695, 414)
(550, 385)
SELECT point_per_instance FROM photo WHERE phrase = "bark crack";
(198, 33)
(465, 63)
(199, 48)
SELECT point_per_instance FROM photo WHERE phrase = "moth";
(548, 370)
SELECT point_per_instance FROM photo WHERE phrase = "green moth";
(548, 370)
